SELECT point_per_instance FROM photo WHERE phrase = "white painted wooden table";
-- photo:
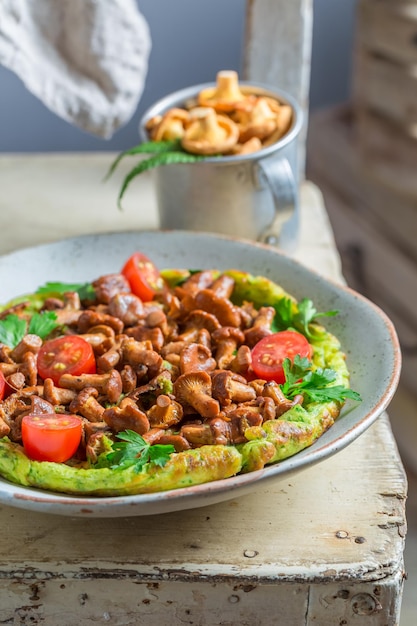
(324, 547)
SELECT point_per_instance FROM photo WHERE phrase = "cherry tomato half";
(143, 276)
(5, 388)
(270, 352)
(2, 385)
(51, 437)
(70, 354)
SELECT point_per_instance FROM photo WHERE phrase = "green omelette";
(145, 380)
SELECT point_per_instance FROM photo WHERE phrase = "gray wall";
(181, 55)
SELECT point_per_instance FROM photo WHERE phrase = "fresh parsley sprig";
(42, 324)
(134, 450)
(86, 291)
(315, 385)
(13, 328)
(298, 316)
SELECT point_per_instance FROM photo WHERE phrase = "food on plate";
(146, 380)
(225, 120)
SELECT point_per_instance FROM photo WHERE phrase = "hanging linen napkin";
(85, 59)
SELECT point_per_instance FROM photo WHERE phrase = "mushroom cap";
(225, 95)
(194, 389)
(199, 319)
(259, 121)
(191, 382)
(252, 145)
(210, 133)
(228, 333)
(169, 126)
(164, 413)
(228, 387)
(222, 308)
(284, 118)
(196, 357)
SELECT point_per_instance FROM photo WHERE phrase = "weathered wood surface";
(378, 183)
(324, 546)
(374, 225)
(389, 28)
(277, 50)
(384, 78)
(305, 548)
(278, 45)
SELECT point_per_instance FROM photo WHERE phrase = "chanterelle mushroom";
(226, 339)
(194, 389)
(165, 412)
(209, 133)
(259, 121)
(126, 416)
(252, 145)
(225, 95)
(169, 126)
(229, 387)
(195, 357)
(283, 121)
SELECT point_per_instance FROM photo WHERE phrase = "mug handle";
(277, 173)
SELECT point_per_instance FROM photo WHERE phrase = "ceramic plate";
(366, 334)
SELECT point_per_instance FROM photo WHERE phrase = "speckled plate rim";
(67, 259)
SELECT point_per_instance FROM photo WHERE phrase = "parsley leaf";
(298, 317)
(307, 313)
(134, 450)
(284, 314)
(42, 324)
(12, 330)
(314, 385)
(84, 290)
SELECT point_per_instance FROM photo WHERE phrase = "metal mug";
(251, 196)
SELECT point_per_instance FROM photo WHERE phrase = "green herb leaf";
(42, 324)
(298, 317)
(307, 313)
(163, 158)
(12, 330)
(315, 385)
(337, 393)
(134, 450)
(149, 147)
(284, 314)
(294, 372)
(85, 290)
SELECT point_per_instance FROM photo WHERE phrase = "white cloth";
(86, 60)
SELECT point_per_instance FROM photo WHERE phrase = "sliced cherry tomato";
(70, 354)
(270, 352)
(51, 437)
(6, 388)
(2, 385)
(143, 276)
